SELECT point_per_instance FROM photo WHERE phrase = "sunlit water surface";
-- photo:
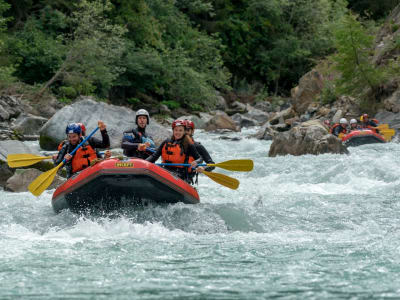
(315, 227)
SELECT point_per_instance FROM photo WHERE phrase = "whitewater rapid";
(314, 227)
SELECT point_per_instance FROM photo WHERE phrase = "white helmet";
(343, 121)
(142, 112)
(353, 121)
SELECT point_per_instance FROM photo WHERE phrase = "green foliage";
(67, 92)
(134, 101)
(353, 59)
(171, 104)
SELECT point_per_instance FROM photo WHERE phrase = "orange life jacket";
(336, 125)
(83, 157)
(61, 145)
(175, 154)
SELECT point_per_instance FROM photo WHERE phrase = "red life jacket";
(83, 157)
(175, 154)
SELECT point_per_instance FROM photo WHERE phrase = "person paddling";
(340, 128)
(367, 123)
(136, 141)
(199, 147)
(179, 149)
(87, 153)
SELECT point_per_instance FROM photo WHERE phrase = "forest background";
(184, 53)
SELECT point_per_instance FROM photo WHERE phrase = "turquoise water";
(310, 227)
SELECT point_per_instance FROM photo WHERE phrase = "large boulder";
(10, 147)
(310, 86)
(221, 121)
(266, 132)
(310, 137)
(20, 181)
(28, 124)
(283, 115)
(393, 102)
(88, 111)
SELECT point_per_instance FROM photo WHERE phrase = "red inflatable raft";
(362, 137)
(112, 184)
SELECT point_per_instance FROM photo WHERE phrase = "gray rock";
(88, 111)
(221, 103)
(236, 107)
(28, 124)
(10, 147)
(10, 107)
(266, 132)
(310, 137)
(221, 121)
(255, 114)
(282, 115)
(337, 116)
(20, 181)
(243, 120)
(264, 106)
(393, 102)
(164, 110)
(199, 123)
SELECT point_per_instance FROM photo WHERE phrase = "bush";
(67, 92)
(171, 104)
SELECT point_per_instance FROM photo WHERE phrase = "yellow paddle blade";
(387, 134)
(383, 126)
(222, 179)
(43, 181)
(24, 159)
(242, 165)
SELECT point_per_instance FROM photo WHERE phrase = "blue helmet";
(73, 128)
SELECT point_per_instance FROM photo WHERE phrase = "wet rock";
(89, 112)
(227, 138)
(221, 121)
(266, 133)
(28, 124)
(21, 179)
(310, 137)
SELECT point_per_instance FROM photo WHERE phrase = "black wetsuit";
(369, 123)
(338, 130)
(180, 172)
(131, 140)
(95, 143)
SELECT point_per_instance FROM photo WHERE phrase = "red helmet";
(189, 124)
(83, 128)
(365, 116)
(178, 123)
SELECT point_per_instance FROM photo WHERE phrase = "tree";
(94, 50)
(353, 58)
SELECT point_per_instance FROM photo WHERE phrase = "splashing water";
(310, 227)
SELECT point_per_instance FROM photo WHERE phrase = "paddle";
(24, 159)
(387, 132)
(241, 165)
(222, 179)
(42, 182)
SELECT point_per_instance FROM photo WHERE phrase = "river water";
(309, 227)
